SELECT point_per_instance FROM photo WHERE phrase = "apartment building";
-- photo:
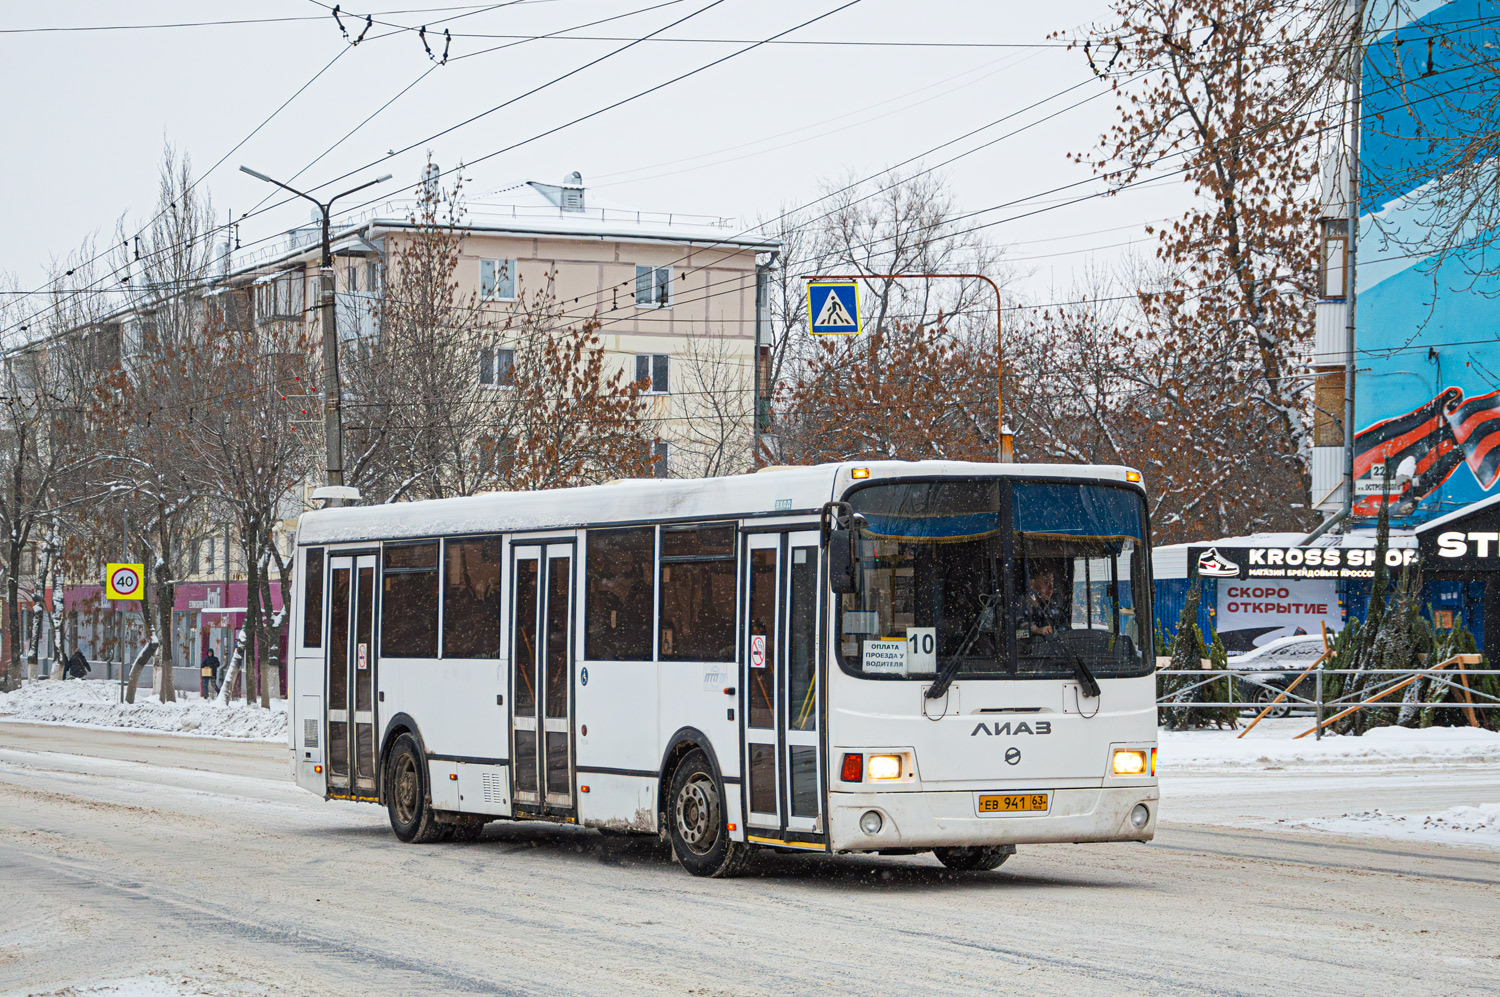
(675, 295)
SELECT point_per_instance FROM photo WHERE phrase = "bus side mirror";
(841, 561)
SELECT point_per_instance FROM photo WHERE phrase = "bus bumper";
(933, 819)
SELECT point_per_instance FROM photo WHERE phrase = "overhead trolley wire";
(342, 51)
(196, 181)
(700, 68)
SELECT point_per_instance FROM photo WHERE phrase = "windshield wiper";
(985, 621)
(1085, 677)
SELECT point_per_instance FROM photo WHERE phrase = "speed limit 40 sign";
(124, 581)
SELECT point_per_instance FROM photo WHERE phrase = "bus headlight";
(1129, 761)
(883, 768)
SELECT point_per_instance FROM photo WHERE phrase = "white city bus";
(881, 657)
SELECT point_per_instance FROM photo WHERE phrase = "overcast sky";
(87, 112)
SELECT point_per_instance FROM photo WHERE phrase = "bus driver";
(1044, 611)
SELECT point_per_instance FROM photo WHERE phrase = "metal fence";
(1240, 689)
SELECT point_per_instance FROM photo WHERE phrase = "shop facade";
(1258, 588)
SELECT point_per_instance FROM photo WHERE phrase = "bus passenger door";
(802, 767)
(541, 656)
(351, 677)
(783, 701)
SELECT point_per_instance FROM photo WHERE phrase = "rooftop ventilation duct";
(572, 192)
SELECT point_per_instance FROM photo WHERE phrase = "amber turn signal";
(854, 768)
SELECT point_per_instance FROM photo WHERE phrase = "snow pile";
(97, 704)
(1271, 745)
(1457, 825)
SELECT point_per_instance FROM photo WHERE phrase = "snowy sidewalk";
(96, 704)
(1271, 744)
(1434, 785)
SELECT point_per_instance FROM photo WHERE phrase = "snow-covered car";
(1265, 672)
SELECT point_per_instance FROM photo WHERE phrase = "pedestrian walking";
(76, 666)
(208, 674)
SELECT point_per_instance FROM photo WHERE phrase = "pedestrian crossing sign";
(833, 307)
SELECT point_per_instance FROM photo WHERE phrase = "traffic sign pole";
(1003, 436)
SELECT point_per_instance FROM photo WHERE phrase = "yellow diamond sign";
(124, 581)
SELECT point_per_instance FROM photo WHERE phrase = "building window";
(280, 297)
(1333, 262)
(409, 606)
(653, 286)
(471, 598)
(660, 458)
(497, 280)
(208, 555)
(697, 594)
(653, 369)
(618, 614)
(497, 367)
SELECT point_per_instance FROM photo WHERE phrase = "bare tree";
(41, 449)
(248, 456)
(906, 227)
(713, 419)
(924, 394)
(415, 391)
(1230, 95)
(157, 392)
(572, 417)
(453, 396)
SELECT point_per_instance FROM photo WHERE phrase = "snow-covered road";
(138, 863)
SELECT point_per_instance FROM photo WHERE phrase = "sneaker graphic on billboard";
(1216, 565)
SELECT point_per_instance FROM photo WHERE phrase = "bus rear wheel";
(696, 821)
(412, 817)
(981, 858)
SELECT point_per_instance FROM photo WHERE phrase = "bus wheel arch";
(681, 744)
(694, 810)
(408, 794)
(397, 725)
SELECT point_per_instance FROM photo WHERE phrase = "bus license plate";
(1013, 803)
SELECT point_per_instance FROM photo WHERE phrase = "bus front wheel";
(412, 817)
(696, 821)
(978, 859)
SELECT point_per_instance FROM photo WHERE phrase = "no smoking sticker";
(124, 581)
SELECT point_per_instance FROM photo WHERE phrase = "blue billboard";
(1428, 312)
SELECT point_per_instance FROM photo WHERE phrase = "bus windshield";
(933, 585)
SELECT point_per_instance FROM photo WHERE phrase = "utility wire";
(335, 59)
(784, 215)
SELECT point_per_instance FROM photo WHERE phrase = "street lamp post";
(333, 417)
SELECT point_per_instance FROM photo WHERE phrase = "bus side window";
(312, 597)
(471, 598)
(409, 606)
(697, 594)
(619, 597)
